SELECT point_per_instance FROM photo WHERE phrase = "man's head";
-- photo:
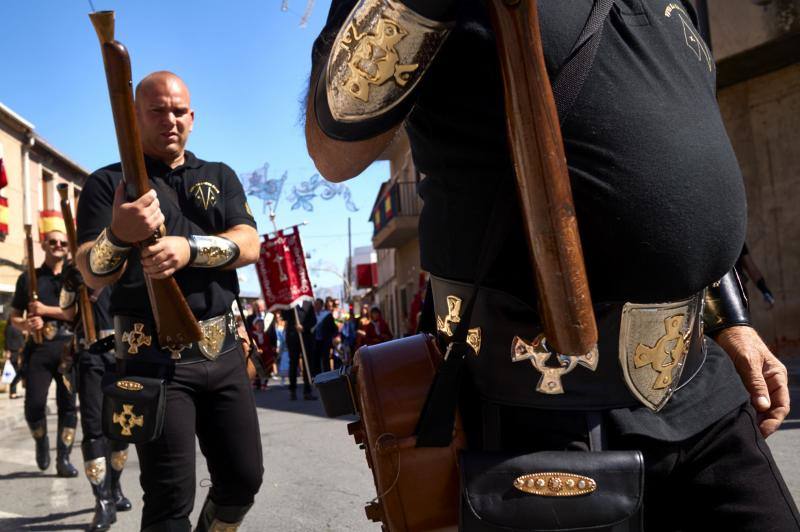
(318, 304)
(55, 246)
(261, 306)
(165, 115)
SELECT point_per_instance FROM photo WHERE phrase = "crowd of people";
(330, 333)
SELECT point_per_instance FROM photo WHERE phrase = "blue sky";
(246, 63)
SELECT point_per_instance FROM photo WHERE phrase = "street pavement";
(316, 478)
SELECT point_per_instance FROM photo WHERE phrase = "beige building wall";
(47, 168)
(758, 55)
(763, 120)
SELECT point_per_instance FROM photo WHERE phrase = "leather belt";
(136, 339)
(83, 344)
(646, 353)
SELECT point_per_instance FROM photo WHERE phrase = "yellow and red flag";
(51, 221)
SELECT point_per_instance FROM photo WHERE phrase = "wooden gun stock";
(543, 180)
(174, 320)
(84, 303)
(33, 285)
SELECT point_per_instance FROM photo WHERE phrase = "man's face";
(165, 118)
(55, 245)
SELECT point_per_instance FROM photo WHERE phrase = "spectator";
(376, 330)
(15, 342)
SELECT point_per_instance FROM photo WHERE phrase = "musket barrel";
(84, 303)
(174, 320)
(33, 289)
(543, 180)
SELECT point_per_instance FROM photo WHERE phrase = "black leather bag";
(134, 408)
(496, 491)
(335, 389)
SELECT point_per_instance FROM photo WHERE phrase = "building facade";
(756, 44)
(395, 217)
(23, 150)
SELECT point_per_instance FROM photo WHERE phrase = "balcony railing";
(395, 215)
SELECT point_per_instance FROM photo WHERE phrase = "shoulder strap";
(437, 419)
(570, 79)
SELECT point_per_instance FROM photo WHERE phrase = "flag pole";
(297, 324)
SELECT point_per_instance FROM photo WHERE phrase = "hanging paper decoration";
(303, 194)
(282, 271)
(3, 200)
(307, 14)
(258, 184)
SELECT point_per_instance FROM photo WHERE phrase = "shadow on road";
(276, 397)
(40, 523)
(26, 474)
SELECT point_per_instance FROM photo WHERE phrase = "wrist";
(116, 240)
(725, 305)
(105, 257)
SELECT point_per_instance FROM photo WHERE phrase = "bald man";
(210, 232)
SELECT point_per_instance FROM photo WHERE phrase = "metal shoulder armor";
(378, 57)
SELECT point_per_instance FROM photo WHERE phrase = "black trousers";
(295, 355)
(16, 363)
(721, 479)
(213, 400)
(91, 369)
(42, 367)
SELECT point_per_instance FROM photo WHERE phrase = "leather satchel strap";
(570, 79)
(437, 419)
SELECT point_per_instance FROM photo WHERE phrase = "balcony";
(395, 215)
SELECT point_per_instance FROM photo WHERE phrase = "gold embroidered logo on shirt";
(205, 193)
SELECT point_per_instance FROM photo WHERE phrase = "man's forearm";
(18, 321)
(246, 238)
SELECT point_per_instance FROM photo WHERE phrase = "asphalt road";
(316, 478)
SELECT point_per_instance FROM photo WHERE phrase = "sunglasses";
(55, 242)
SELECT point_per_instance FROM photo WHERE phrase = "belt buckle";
(49, 330)
(653, 343)
(214, 332)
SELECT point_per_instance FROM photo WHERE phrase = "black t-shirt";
(658, 191)
(48, 288)
(197, 197)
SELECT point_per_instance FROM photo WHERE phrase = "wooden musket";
(543, 180)
(33, 285)
(84, 303)
(174, 319)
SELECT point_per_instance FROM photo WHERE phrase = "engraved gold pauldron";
(105, 258)
(66, 298)
(378, 57)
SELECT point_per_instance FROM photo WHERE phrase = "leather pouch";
(552, 491)
(134, 408)
(336, 391)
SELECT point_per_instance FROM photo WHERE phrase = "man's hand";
(168, 255)
(764, 376)
(36, 308)
(138, 220)
(34, 323)
(299, 328)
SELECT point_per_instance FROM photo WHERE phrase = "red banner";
(282, 271)
(367, 275)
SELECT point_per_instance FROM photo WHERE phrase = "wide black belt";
(136, 339)
(645, 354)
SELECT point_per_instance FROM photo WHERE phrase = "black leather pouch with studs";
(134, 408)
(551, 491)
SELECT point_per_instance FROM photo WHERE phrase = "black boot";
(66, 435)
(95, 467)
(39, 433)
(227, 518)
(105, 514)
(119, 455)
